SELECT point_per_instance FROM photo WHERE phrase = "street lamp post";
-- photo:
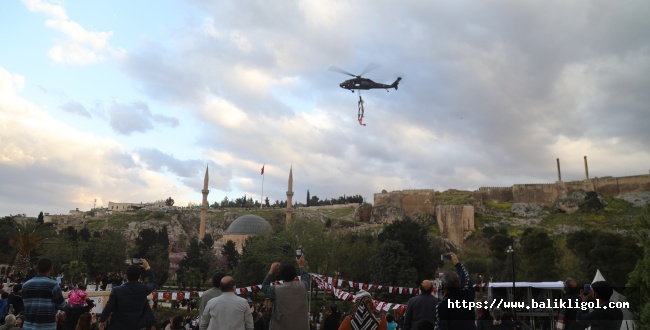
(511, 250)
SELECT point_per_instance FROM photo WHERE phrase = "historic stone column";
(586, 169)
(559, 175)
(290, 197)
(204, 205)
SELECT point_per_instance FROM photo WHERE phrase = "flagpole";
(262, 195)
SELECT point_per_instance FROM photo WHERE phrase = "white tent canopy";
(627, 324)
(538, 285)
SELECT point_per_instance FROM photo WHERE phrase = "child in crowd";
(77, 297)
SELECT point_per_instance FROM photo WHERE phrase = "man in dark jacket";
(16, 299)
(128, 303)
(421, 307)
(458, 292)
(566, 319)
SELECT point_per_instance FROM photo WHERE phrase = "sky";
(129, 101)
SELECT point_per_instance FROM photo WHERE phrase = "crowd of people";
(38, 303)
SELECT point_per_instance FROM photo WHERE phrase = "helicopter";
(359, 82)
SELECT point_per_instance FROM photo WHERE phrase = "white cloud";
(79, 46)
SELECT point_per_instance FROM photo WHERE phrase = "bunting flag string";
(323, 283)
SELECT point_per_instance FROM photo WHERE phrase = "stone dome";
(249, 225)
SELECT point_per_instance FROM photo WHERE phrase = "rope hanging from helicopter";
(361, 111)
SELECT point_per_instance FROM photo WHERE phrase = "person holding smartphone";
(290, 307)
(128, 303)
(457, 287)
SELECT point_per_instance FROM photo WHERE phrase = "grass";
(453, 197)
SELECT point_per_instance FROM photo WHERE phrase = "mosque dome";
(249, 225)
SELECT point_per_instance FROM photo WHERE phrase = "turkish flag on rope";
(262, 170)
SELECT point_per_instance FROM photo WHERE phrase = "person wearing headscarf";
(364, 315)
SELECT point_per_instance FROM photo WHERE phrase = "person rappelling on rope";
(361, 111)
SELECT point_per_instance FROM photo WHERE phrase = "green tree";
(229, 251)
(414, 237)
(153, 245)
(393, 265)
(613, 254)
(105, 253)
(28, 237)
(538, 256)
(75, 271)
(41, 218)
(308, 197)
(169, 202)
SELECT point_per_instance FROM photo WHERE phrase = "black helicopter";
(363, 83)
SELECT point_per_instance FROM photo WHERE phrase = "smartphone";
(136, 261)
(445, 256)
(586, 288)
(298, 253)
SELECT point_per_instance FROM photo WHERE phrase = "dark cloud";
(135, 117)
(75, 108)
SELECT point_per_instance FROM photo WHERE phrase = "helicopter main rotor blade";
(371, 66)
(339, 70)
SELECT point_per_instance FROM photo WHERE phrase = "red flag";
(262, 170)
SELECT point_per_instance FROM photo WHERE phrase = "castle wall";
(411, 201)
(455, 222)
(494, 194)
(541, 194)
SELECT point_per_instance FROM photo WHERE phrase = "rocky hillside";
(579, 210)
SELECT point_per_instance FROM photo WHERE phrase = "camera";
(446, 256)
(136, 261)
(586, 288)
(298, 253)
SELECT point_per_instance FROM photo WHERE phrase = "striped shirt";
(42, 298)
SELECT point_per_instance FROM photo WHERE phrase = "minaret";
(204, 206)
(290, 196)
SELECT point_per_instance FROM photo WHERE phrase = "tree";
(75, 271)
(596, 251)
(28, 237)
(538, 256)
(229, 251)
(41, 218)
(169, 202)
(308, 197)
(392, 265)
(266, 202)
(414, 237)
(153, 245)
(105, 253)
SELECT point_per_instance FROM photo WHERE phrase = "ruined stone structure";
(456, 222)
(546, 194)
(417, 201)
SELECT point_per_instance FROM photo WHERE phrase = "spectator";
(42, 298)
(421, 307)
(177, 323)
(457, 287)
(85, 322)
(73, 314)
(290, 307)
(98, 281)
(364, 315)
(600, 318)
(390, 322)
(10, 323)
(127, 304)
(78, 296)
(16, 299)
(213, 292)
(485, 321)
(566, 319)
(228, 311)
(20, 319)
(4, 306)
(333, 320)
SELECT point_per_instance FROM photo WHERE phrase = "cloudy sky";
(128, 101)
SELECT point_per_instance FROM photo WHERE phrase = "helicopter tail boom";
(394, 84)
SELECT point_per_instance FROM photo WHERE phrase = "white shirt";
(228, 311)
